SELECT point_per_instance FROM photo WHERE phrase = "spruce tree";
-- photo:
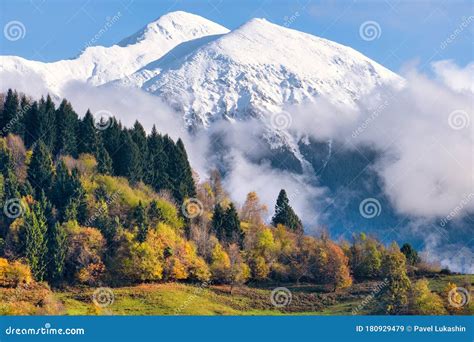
(66, 130)
(157, 174)
(139, 138)
(36, 248)
(87, 135)
(111, 138)
(32, 125)
(187, 180)
(285, 215)
(104, 162)
(128, 159)
(40, 171)
(154, 213)
(410, 253)
(9, 111)
(217, 224)
(141, 222)
(231, 225)
(47, 117)
(179, 170)
(57, 248)
(19, 121)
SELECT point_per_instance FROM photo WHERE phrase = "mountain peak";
(172, 25)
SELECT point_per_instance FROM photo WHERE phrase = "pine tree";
(40, 171)
(154, 213)
(217, 223)
(141, 222)
(157, 174)
(285, 215)
(231, 224)
(9, 111)
(87, 136)
(36, 250)
(128, 159)
(111, 138)
(57, 248)
(19, 121)
(410, 253)
(32, 125)
(187, 187)
(78, 197)
(66, 130)
(138, 135)
(47, 112)
(104, 162)
(179, 170)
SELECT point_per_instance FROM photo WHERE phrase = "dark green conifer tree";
(87, 135)
(40, 170)
(47, 118)
(66, 130)
(141, 222)
(9, 111)
(128, 159)
(231, 224)
(285, 215)
(36, 249)
(217, 224)
(56, 237)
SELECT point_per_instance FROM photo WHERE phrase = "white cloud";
(458, 79)
(427, 164)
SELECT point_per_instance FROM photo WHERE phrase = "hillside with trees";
(88, 203)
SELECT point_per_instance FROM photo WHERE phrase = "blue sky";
(410, 31)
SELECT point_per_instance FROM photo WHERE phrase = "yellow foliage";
(14, 274)
(425, 302)
(220, 263)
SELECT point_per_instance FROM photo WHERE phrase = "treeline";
(84, 204)
(155, 159)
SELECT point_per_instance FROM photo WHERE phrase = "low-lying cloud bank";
(424, 133)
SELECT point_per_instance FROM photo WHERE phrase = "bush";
(85, 247)
(14, 274)
(423, 301)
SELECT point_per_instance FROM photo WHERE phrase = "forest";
(88, 202)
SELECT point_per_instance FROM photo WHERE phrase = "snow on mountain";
(257, 69)
(98, 65)
(207, 72)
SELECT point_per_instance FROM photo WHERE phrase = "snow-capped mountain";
(207, 72)
(98, 65)
(257, 69)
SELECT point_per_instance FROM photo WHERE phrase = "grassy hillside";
(183, 299)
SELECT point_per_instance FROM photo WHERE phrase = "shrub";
(14, 273)
(85, 247)
(423, 301)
